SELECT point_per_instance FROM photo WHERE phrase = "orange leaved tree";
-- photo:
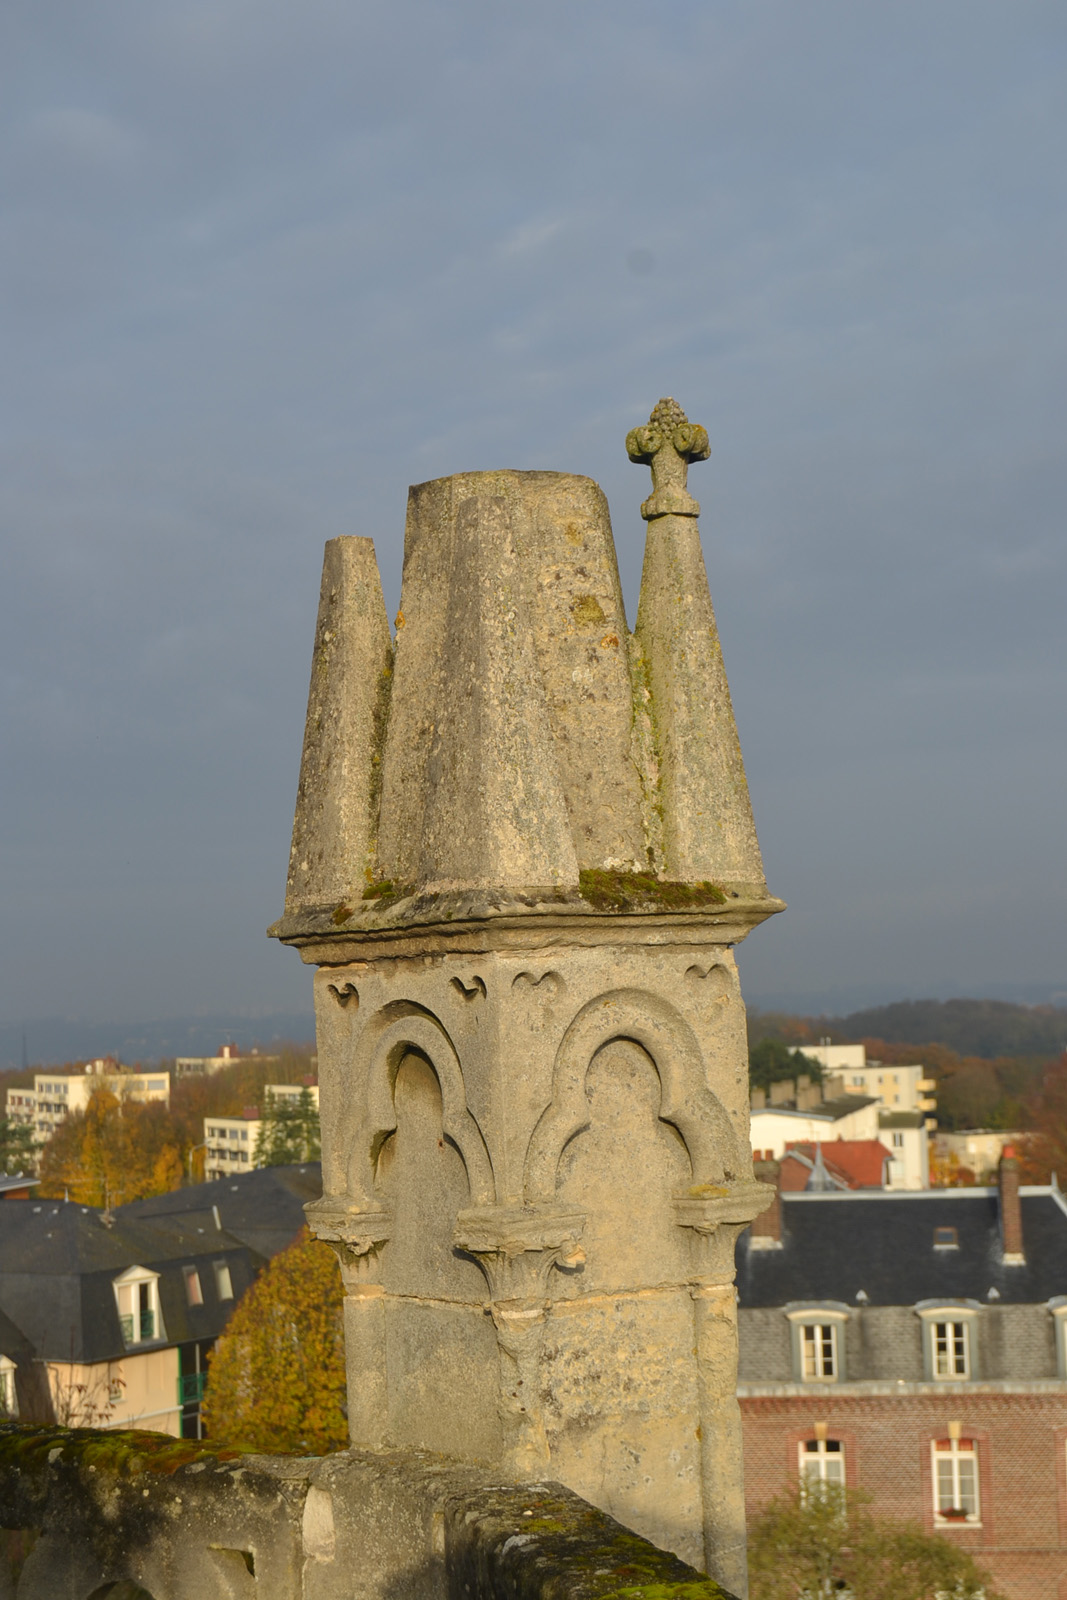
(276, 1378)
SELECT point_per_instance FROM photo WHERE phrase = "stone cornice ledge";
(480, 920)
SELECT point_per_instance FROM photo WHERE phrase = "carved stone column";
(357, 1239)
(715, 1221)
(522, 857)
(517, 1248)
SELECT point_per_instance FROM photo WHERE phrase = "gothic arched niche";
(622, 1170)
(422, 1180)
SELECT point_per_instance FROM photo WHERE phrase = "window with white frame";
(949, 1342)
(223, 1281)
(955, 1481)
(8, 1401)
(950, 1348)
(819, 1343)
(137, 1298)
(194, 1294)
(1058, 1307)
(818, 1350)
(822, 1461)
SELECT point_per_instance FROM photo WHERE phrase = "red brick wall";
(1022, 1458)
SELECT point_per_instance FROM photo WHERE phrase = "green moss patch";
(382, 892)
(628, 891)
(125, 1453)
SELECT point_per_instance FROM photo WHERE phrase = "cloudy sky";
(265, 264)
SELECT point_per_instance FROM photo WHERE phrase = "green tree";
(16, 1147)
(807, 1545)
(276, 1378)
(289, 1131)
(771, 1060)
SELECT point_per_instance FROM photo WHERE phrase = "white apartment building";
(289, 1093)
(228, 1056)
(230, 1142)
(230, 1145)
(55, 1095)
(898, 1088)
(775, 1127)
(905, 1136)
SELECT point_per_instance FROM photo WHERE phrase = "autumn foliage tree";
(276, 1378)
(808, 1544)
(1043, 1150)
(114, 1151)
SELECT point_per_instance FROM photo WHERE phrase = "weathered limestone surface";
(532, 1057)
(81, 1510)
(336, 809)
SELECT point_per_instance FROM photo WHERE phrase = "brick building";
(915, 1345)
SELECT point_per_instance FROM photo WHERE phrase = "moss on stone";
(383, 892)
(701, 1589)
(122, 1452)
(626, 891)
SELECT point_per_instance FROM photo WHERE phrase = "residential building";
(977, 1149)
(56, 1094)
(775, 1127)
(798, 1111)
(228, 1056)
(106, 1319)
(17, 1186)
(914, 1344)
(844, 1164)
(230, 1143)
(290, 1094)
(899, 1088)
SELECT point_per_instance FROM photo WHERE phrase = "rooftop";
(836, 1244)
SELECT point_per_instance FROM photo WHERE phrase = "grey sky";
(265, 264)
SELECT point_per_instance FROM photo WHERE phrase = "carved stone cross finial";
(667, 444)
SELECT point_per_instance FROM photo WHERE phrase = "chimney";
(1011, 1215)
(766, 1230)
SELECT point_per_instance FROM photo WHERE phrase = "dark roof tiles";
(834, 1245)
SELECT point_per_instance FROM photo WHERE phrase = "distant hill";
(988, 1028)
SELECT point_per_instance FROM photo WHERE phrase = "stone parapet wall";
(81, 1510)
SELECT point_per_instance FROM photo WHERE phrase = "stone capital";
(356, 1237)
(717, 1214)
(517, 1247)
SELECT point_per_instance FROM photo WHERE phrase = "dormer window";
(137, 1299)
(946, 1239)
(949, 1331)
(819, 1342)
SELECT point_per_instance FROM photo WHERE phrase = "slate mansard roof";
(59, 1261)
(836, 1244)
(263, 1208)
